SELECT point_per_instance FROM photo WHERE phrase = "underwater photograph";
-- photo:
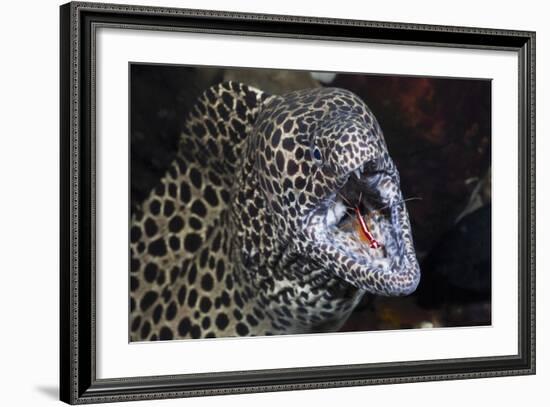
(276, 202)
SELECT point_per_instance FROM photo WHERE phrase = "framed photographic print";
(257, 203)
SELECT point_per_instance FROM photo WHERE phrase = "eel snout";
(384, 263)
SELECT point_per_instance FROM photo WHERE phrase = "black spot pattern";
(135, 234)
(157, 247)
(210, 196)
(196, 178)
(147, 300)
(192, 298)
(199, 208)
(242, 329)
(207, 283)
(145, 329)
(192, 274)
(171, 311)
(222, 321)
(184, 327)
(205, 304)
(157, 313)
(150, 272)
(192, 242)
(185, 192)
(154, 207)
(166, 334)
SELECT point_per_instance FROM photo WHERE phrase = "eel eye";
(317, 156)
(375, 166)
(371, 167)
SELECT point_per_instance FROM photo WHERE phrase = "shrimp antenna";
(413, 198)
(345, 199)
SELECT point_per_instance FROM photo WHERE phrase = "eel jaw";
(335, 242)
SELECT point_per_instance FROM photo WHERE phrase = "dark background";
(438, 132)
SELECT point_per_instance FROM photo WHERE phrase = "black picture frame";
(78, 382)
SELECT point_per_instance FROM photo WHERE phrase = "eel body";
(252, 231)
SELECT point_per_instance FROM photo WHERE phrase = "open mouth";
(383, 262)
(353, 220)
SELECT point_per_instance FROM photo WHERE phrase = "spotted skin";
(237, 239)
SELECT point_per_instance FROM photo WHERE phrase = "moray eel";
(251, 231)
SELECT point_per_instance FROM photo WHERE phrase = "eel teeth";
(357, 173)
(331, 217)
